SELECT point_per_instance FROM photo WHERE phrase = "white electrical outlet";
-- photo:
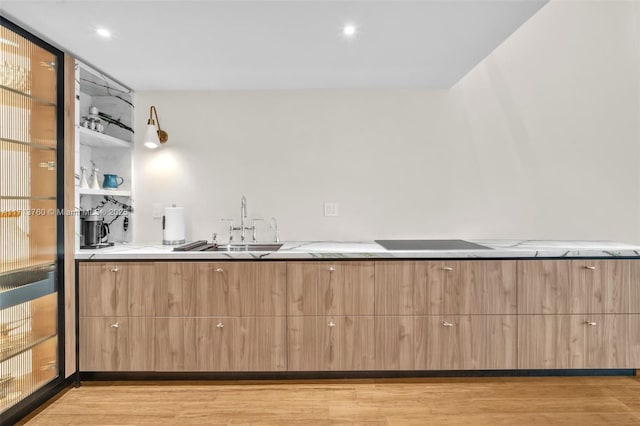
(157, 210)
(331, 209)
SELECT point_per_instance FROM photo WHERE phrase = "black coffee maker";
(95, 233)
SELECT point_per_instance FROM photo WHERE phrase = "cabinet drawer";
(220, 344)
(330, 288)
(220, 289)
(445, 287)
(578, 286)
(578, 341)
(325, 343)
(469, 342)
(116, 344)
(116, 289)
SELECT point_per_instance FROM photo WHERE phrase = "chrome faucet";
(242, 228)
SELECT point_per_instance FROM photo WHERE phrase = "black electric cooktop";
(430, 245)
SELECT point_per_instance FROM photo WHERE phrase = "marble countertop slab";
(517, 249)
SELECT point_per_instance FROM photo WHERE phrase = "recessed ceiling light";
(103, 32)
(349, 30)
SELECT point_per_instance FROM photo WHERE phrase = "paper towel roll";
(173, 225)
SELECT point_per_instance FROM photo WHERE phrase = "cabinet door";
(116, 289)
(221, 289)
(574, 341)
(408, 287)
(220, 344)
(331, 343)
(330, 288)
(578, 286)
(479, 287)
(600, 286)
(394, 347)
(478, 342)
(116, 344)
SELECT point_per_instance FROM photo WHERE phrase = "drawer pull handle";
(332, 269)
(591, 268)
(220, 325)
(591, 323)
(448, 268)
(447, 324)
(219, 270)
(331, 324)
(115, 325)
(114, 269)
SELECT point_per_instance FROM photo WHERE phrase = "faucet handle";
(254, 229)
(273, 224)
(230, 228)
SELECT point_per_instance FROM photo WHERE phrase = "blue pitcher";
(111, 181)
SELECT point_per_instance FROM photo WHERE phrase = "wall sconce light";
(154, 136)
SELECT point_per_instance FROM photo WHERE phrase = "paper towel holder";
(173, 232)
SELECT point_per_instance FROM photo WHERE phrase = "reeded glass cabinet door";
(28, 219)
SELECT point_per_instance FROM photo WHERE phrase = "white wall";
(539, 141)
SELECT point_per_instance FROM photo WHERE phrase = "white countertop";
(372, 250)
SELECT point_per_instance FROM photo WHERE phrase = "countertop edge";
(368, 250)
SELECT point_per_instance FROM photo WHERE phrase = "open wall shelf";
(100, 140)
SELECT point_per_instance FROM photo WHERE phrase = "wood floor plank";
(525, 401)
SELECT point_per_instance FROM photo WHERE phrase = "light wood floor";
(443, 402)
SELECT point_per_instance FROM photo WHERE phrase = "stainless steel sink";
(203, 245)
(250, 247)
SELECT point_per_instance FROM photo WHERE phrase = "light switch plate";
(331, 209)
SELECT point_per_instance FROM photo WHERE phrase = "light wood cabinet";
(116, 289)
(220, 289)
(469, 342)
(577, 341)
(116, 316)
(330, 288)
(322, 343)
(578, 313)
(445, 287)
(221, 316)
(359, 315)
(116, 344)
(220, 344)
(578, 286)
